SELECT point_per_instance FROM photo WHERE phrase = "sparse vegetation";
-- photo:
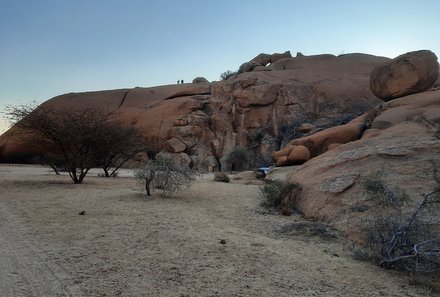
(288, 132)
(76, 139)
(275, 191)
(433, 127)
(165, 176)
(221, 177)
(399, 239)
(308, 229)
(227, 74)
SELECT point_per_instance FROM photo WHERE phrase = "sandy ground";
(128, 244)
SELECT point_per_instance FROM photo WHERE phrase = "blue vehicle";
(264, 169)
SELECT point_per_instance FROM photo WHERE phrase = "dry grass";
(130, 245)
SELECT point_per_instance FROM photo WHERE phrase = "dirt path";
(131, 245)
(26, 269)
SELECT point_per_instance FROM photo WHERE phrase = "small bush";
(227, 74)
(221, 177)
(275, 191)
(382, 194)
(165, 176)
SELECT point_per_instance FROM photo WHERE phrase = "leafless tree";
(75, 138)
(121, 145)
(404, 240)
(227, 74)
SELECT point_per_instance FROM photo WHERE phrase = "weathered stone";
(280, 64)
(282, 161)
(319, 142)
(201, 97)
(407, 74)
(179, 159)
(189, 90)
(306, 127)
(392, 151)
(261, 68)
(200, 80)
(283, 152)
(180, 122)
(183, 159)
(199, 118)
(262, 60)
(248, 66)
(298, 155)
(334, 145)
(174, 145)
(260, 95)
(338, 184)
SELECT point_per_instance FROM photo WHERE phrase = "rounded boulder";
(298, 154)
(406, 74)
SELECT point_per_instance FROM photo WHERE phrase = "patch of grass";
(308, 228)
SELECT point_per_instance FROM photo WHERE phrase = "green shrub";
(275, 191)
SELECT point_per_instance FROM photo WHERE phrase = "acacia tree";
(78, 138)
(119, 146)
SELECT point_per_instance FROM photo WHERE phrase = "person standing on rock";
(178, 81)
(181, 81)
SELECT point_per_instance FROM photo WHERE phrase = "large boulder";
(174, 145)
(200, 80)
(302, 149)
(262, 60)
(407, 74)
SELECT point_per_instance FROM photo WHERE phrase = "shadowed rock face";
(256, 109)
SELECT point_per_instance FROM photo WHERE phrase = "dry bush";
(274, 192)
(165, 176)
(77, 138)
(221, 177)
(227, 74)
(399, 239)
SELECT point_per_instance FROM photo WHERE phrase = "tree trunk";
(147, 187)
(54, 167)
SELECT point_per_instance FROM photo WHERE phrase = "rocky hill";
(260, 108)
(328, 121)
(398, 139)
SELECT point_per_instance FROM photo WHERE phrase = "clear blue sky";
(52, 47)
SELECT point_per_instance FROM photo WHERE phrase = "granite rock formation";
(407, 74)
(259, 110)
